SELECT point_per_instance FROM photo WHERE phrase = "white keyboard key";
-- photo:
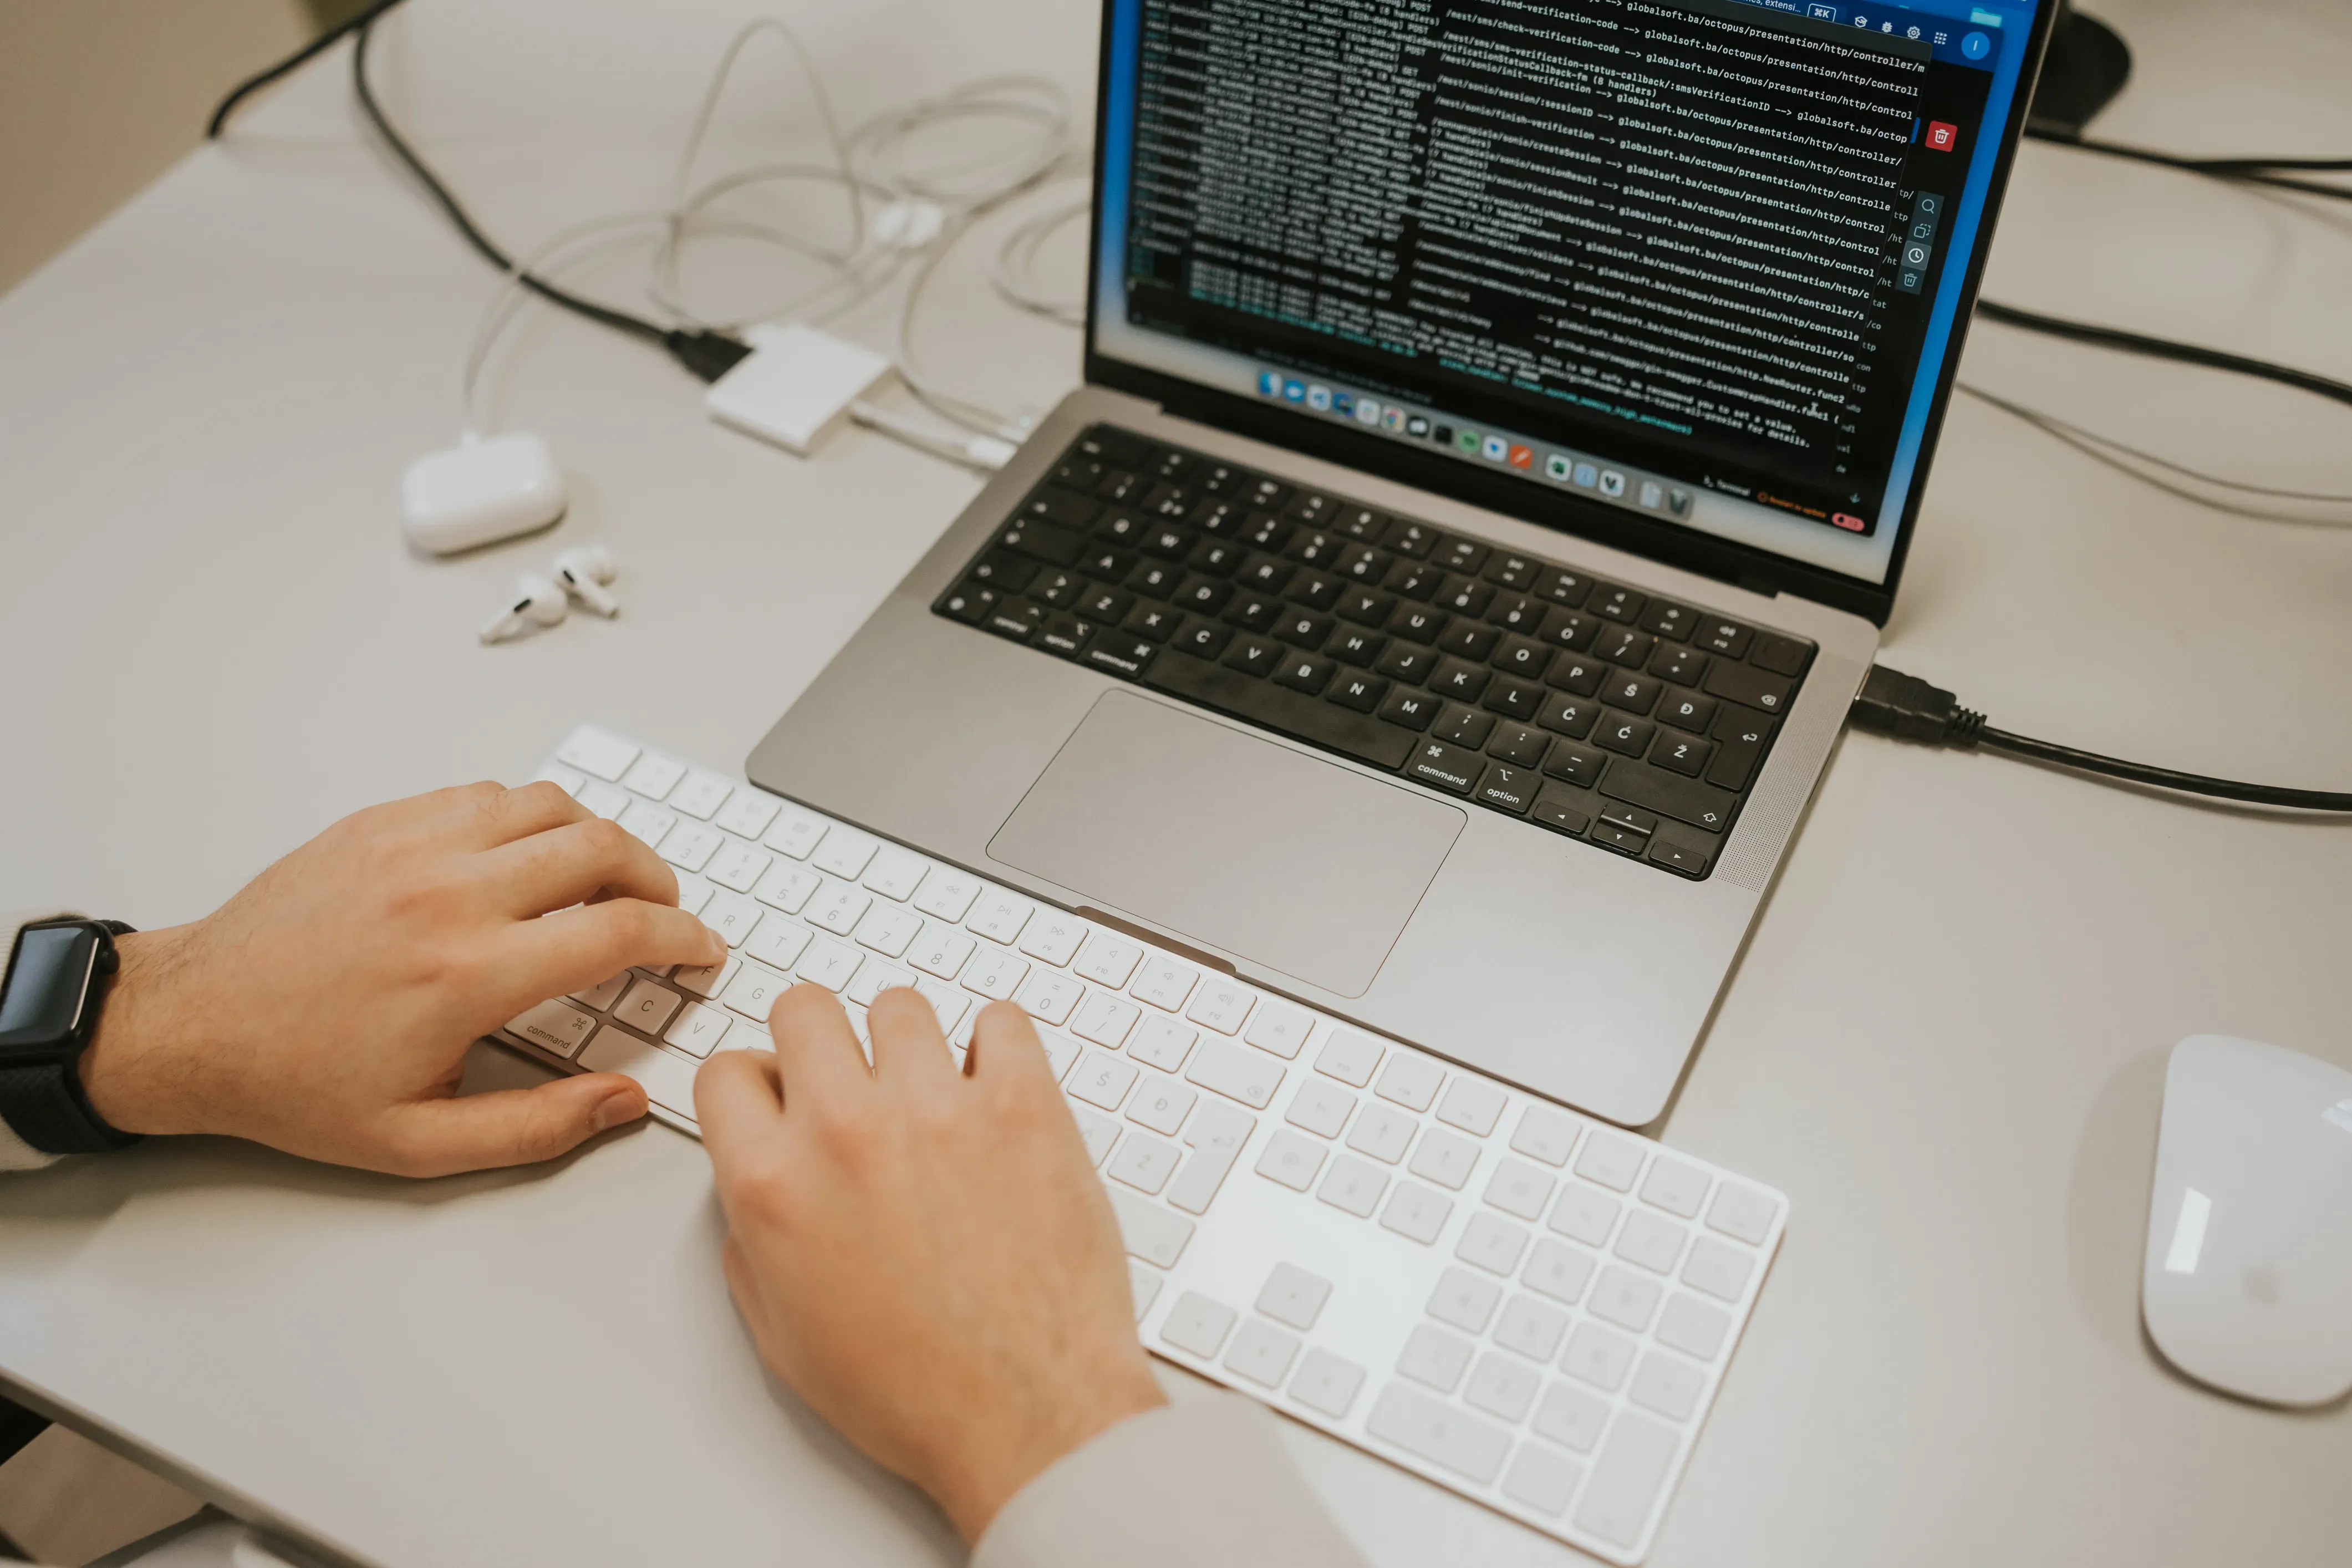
(648, 822)
(1625, 1298)
(1048, 997)
(1291, 1159)
(1675, 1188)
(787, 887)
(1518, 1187)
(1162, 1043)
(1545, 1134)
(1216, 1133)
(1718, 1269)
(1602, 1357)
(1465, 1299)
(1102, 1081)
(1584, 1214)
(1163, 981)
(948, 1001)
(605, 993)
(1099, 1132)
(1560, 1271)
(1609, 1160)
(1320, 1105)
(1531, 1328)
(1741, 1213)
(704, 979)
(1445, 1158)
(733, 916)
(1692, 1326)
(1348, 1056)
(1148, 1231)
(896, 873)
(1221, 1004)
(607, 801)
(777, 943)
(1503, 1385)
(1279, 1027)
(556, 1027)
(1432, 1356)
(1326, 1382)
(1105, 1019)
(702, 794)
(1353, 1187)
(838, 907)
(1466, 1444)
(1108, 960)
(697, 1030)
(1246, 1075)
(831, 965)
(796, 832)
(693, 892)
(594, 752)
(1160, 1104)
(1411, 1080)
(1472, 1104)
(1053, 937)
(654, 777)
(1493, 1243)
(1294, 1296)
(1144, 1285)
(739, 866)
(1625, 1482)
(995, 975)
(844, 852)
(1416, 1212)
(1197, 1324)
(753, 992)
(1651, 1240)
(888, 928)
(747, 816)
(999, 915)
(570, 780)
(1263, 1353)
(1382, 1133)
(1572, 1417)
(947, 893)
(646, 1007)
(1144, 1163)
(873, 979)
(939, 950)
(1541, 1478)
(668, 1079)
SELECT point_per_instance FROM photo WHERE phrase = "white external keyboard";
(1525, 1306)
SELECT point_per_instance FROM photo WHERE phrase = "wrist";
(123, 1070)
(988, 1468)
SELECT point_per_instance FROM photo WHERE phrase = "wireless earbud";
(537, 603)
(584, 572)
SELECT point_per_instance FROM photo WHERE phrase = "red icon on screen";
(1942, 138)
(1848, 522)
(1522, 457)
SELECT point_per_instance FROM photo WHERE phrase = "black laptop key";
(1120, 655)
(1367, 606)
(1317, 590)
(1170, 503)
(1066, 635)
(1361, 564)
(1221, 479)
(1005, 571)
(1447, 766)
(1219, 517)
(1307, 672)
(1106, 561)
(1518, 698)
(968, 603)
(1107, 605)
(1467, 638)
(1310, 507)
(1624, 733)
(1523, 655)
(1464, 726)
(1683, 755)
(1414, 539)
(1668, 850)
(1680, 666)
(1623, 840)
(1563, 587)
(1460, 678)
(1415, 580)
(1729, 638)
(1745, 683)
(1560, 810)
(1507, 788)
(1170, 543)
(1267, 574)
(1574, 764)
(1633, 693)
(1411, 708)
(1203, 638)
(1125, 490)
(1630, 818)
(1460, 555)
(1350, 645)
(1079, 472)
(1061, 508)
(1123, 529)
(1304, 628)
(1616, 603)
(1123, 448)
(1202, 596)
(1316, 547)
(1150, 620)
(1015, 618)
(1054, 545)
(1570, 716)
(1214, 558)
(1515, 572)
(1567, 630)
(1582, 675)
(1668, 794)
(1741, 738)
(1362, 525)
(1267, 532)
(1059, 589)
(1261, 492)
(1408, 662)
(1155, 579)
(1170, 464)
(1418, 622)
(1782, 656)
(1255, 612)
(1624, 646)
(1361, 692)
(1518, 745)
(1688, 710)
(1254, 654)
(1521, 613)
(1673, 621)
(1465, 596)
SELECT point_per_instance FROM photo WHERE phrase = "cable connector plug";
(1893, 703)
(708, 356)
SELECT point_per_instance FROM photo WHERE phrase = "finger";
(573, 863)
(739, 1102)
(816, 1051)
(1004, 1044)
(509, 1127)
(750, 1301)
(574, 949)
(907, 1044)
(501, 816)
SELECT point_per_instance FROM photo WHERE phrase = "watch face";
(48, 981)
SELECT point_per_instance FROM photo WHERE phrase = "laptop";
(1502, 433)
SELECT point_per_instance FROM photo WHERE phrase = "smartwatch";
(56, 981)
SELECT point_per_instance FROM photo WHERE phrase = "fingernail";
(615, 1109)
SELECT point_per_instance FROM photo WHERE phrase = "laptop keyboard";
(1590, 708)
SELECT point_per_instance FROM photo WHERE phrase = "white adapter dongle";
(795, 387)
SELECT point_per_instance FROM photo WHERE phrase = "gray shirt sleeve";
(15, 1155)
(1201, 1483)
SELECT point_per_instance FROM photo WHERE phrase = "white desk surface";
(1946, 1041)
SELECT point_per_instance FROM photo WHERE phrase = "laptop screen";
(1698, 259)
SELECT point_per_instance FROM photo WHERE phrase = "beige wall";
(99, 97)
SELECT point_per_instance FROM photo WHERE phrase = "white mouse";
(2248, 1280)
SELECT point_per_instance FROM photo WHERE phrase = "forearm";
(15, 1155)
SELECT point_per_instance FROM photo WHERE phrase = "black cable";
(2248, 171)
(300, 57)
(1893, 703)
(2164, 348)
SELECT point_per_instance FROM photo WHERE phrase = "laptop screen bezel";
(1746, 565)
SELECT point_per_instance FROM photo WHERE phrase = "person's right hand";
(327, 1009)
(924, 1255)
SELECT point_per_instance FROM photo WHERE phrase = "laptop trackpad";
(1244, 845)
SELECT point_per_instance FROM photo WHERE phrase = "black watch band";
(41, 1096)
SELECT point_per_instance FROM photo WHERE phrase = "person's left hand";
(326, 1010)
